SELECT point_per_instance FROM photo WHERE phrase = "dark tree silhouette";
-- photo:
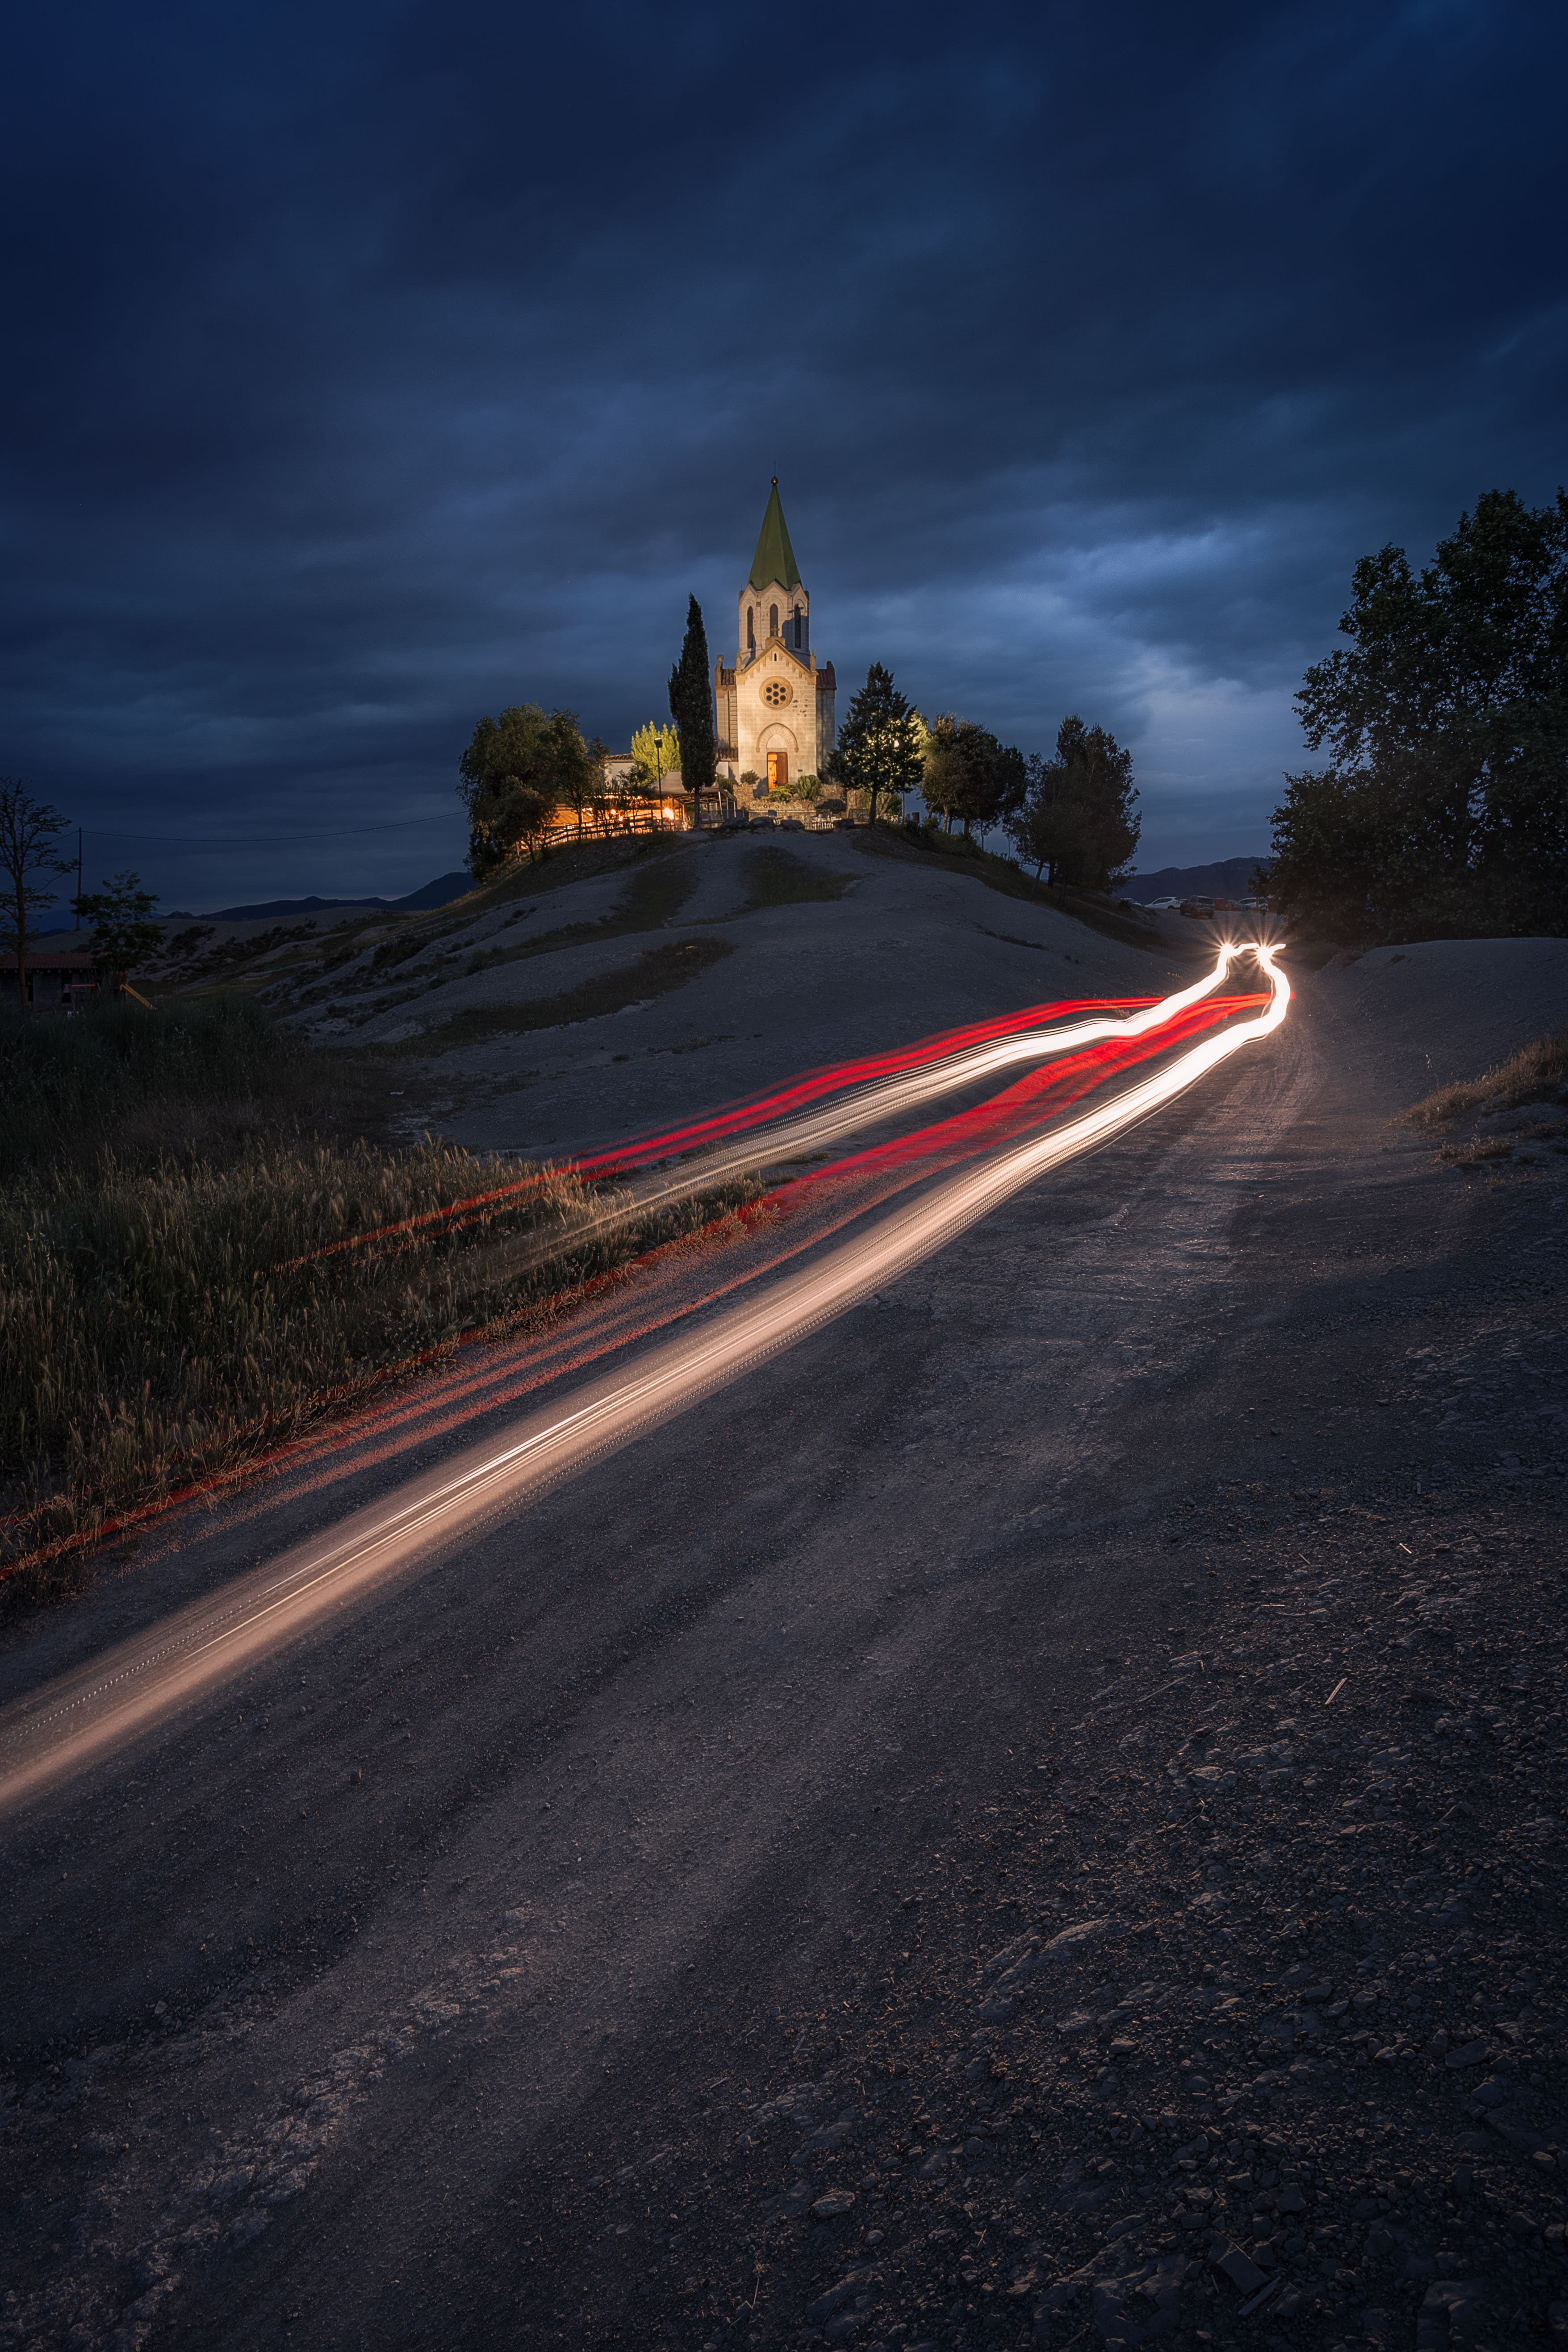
(691, 705)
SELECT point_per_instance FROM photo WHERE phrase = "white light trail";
(69, 1724)
(906, 1090)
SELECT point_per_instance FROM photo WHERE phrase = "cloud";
(376, 367)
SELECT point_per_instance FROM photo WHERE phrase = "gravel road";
(1035, 1819)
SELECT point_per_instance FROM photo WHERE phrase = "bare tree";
(27, 834)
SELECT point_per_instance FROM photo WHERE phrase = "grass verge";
(654, 896)
(656, 972)
(304, 958)
(1481, 1148)
(196, 1264)
(775, 877)
(1001, 874)
(1537, 1073)
(204, 1078)
(163, 1327)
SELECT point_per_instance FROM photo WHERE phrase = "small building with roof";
(55, 979)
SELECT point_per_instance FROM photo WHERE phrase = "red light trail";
(65, 1727)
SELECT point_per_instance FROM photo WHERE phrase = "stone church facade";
(773, 709)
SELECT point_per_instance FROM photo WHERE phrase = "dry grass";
(159, 1326)
(177, 1297)
(1537, 1073)
(918, 844)
(1500, 1147)
(776, 878)
(655, 971)
(655, 895)
(139, 1082)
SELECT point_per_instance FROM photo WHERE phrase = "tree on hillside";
(656, 753)
(123, 931)
(1079, 815)
(970, 775)
(582, 788)
(879, 743)
(29, 830)
(517, 771)
(691, 705)
(1049, 829)
(1443, 809)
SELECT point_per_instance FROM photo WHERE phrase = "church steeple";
(774, 558)
(774, 711)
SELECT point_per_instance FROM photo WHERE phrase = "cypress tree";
(691, 705)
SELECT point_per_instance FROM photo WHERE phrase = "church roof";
(774, 558)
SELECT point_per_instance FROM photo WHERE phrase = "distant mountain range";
(1230, 878)
(438, 892)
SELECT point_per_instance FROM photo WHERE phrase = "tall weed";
(159, 1326)
(134, 1080)
(190, 1277)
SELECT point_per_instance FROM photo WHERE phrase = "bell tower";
(776, 708)
(773, 603)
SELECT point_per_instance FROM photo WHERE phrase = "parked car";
(1198, 907)
(1162, 905)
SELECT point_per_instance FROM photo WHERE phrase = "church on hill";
(773, 709)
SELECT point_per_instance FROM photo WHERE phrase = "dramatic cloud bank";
(371, 367)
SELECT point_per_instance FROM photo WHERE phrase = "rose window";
(775, 694)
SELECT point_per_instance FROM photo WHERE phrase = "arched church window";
(773, 620)
(797, 628)
(750, 632)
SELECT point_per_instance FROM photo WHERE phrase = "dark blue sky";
(369, 367)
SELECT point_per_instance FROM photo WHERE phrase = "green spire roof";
(774, 558)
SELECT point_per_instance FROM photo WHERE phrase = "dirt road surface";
(1036, 1818)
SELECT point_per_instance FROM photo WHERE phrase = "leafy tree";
(1443, 810)
(880, 742)
(583, 785)
(517, 771)
(28, 832)
(691, 705)
(969, 775)
(123, 931)
(1049, 829)
(1079, 814)
(657, 751)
